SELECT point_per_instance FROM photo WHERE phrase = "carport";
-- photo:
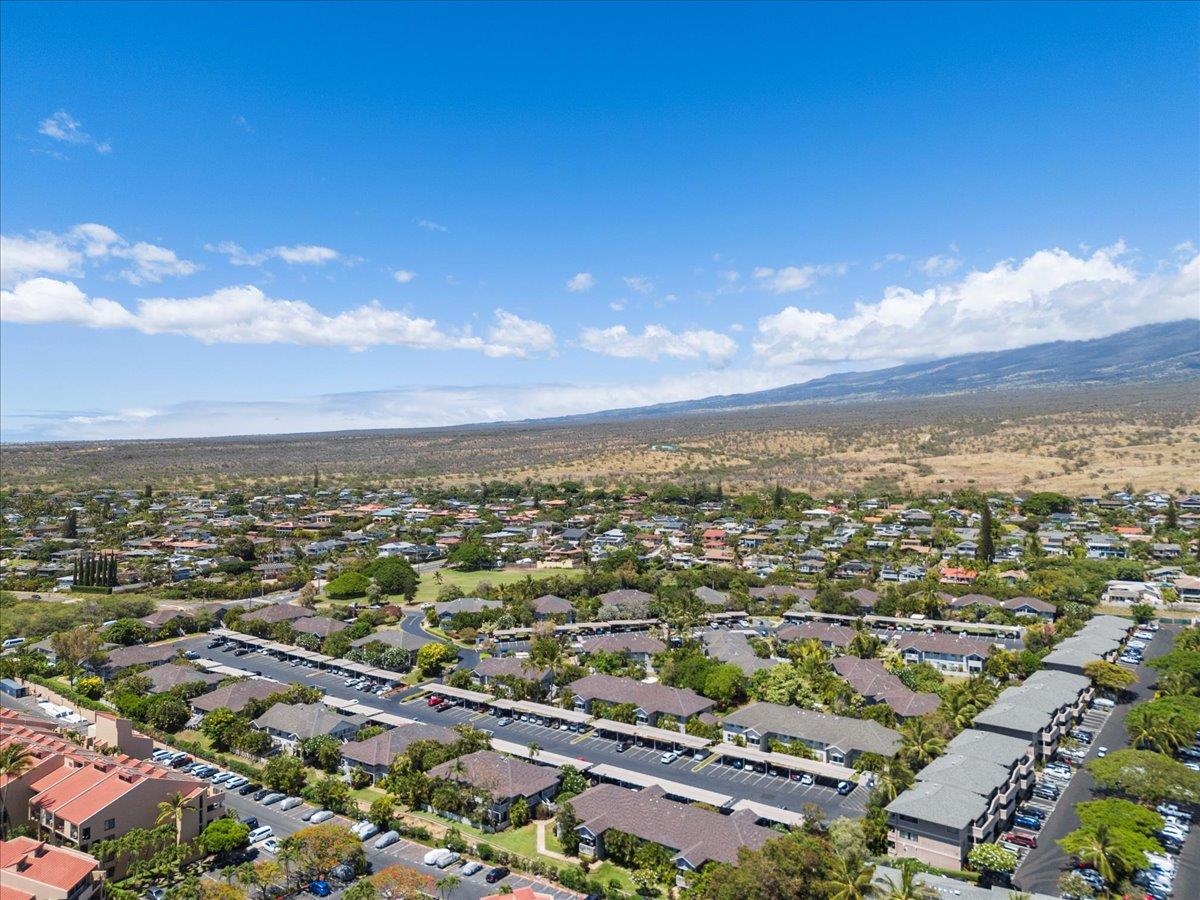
(390, 719)
(771, 813)
(673, 789)
(474, 699)
(544, 757)
(785, 762)
(571, 716)
(656, 736)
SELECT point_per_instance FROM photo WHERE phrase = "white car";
(270, 845)
(320, 816)
(667, 758)
(448, 858)
(807, 778)
(369, 832)
(1102, 752)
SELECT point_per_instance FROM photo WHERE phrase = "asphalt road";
(740, 784)
(413, 623)
(408, 853)
(1041, 868)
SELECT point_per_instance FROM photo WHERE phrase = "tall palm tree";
(921, 744)
(447, 885)
(1176, 684)
(894, 780)
(959, 710)
(172, 810)
(14, 759)
(852, 879)
(1099, 852)
(907, 888)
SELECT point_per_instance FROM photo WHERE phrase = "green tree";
(518, 813)
(167, 713)
(471, 556)
(985, 550)
(285, 773)
(433, 657)
(127, 632)
(851, 878)
(223, 836)
(395, 575)
(1146, 776)
(381, 811)
(566, 822)
(347, 586)
(909, 886)
(331, 793)
(992, 858)
(221, 727)
(1142, 613)
(1117, 813)
(323, 751)
(1115, 853)
(1109, 677)
(921, 744)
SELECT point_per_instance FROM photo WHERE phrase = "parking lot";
(286, 822)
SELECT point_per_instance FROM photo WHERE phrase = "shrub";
(348, 585)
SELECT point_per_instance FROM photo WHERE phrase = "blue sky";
(264, 218)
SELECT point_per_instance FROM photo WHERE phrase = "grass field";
(469, 582)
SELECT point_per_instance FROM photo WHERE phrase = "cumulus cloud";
(47, 253)
(655, 341)
(580, 282)
(639, 283)
(1051, 295)
(245, 315)
(794, 278)
(403, 276)
(297, 254)
(431, 226)
(64, 127)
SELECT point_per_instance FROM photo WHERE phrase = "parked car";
(844, 787)
(290, 803)
(1020, 840)
(386, 839)
(258, 795)
(471, 868)
(250, 788)
(622, 746)
(250, 822)
(499, 873)
(805, 778)
(1029, 822)
(321, 815)
(270, 845)
(1102, 752)
(369, 831)
(342, 873)
(667, 758)
(447, 859)
(320, 888)
(507, 720)
(273, 797)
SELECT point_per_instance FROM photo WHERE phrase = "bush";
(485, 852)
(348, 585)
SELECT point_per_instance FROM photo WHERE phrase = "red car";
(433, 700)
(1021, 840)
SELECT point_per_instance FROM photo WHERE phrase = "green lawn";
(469, 581)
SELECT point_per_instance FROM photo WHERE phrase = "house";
(291, 723)
(711, 597)
(626, 598)
(167, 677)
(374, 756)
(320, 626)
(488, 670)
(963, 798)
(34, 870)
(550, 606)
(449, 609)
(1100, 637)
(833, 739)
(966, 601)
(123, 658)
(1188, 588)
(637, 645)
(950, 653)
(733, 647)
(503, 779)
(650, 701)
(236, 695)
(1040, 711)
(1031, 606)
(1131, 592)
(865, 598)
(832, 637)
(1165, 551)
(782, 593)
(694, 836)
(957, 575)
(871, 678)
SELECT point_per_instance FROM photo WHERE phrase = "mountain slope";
(1151, 353)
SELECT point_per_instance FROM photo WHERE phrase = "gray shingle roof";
(987, 745)
(235, 696)
(1029, 707)
(383, 748)
(305, 720)
(862, 735)
(653, 698)
(940, 804)
(624, 642)
(501, 776)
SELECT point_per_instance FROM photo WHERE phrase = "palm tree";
(853, 879)
(893, 780)
(921, 745)
(14, 759)
(908, 888)
(171, 810)
(534, 749)
(447, 885)
(959, 709)
(1100, 852)
(1176, 684)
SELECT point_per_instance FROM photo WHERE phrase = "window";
(87, 834)
(110, 824)
(908, 835)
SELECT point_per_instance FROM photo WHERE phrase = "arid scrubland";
(1065, 440)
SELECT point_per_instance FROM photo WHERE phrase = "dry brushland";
(1072, 441)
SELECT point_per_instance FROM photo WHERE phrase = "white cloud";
(580, 281)
(795, 278)
(940, 266)
(1051, 295)
(730, 276)
(617, 305)
(656, 341)
(62, 126)
(245, 315)
(639, 283)
(431, 226)
(420, 406)
(404, 276)
(888, 259)
(47, 253)
(298, 254)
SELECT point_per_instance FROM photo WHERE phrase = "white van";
(11, 642)
(261, 833)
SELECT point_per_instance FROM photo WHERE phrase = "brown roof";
(163, 678)
(625, 595)
(383, 748)
(872, 679)
(624, 642)
(235, 696)
(782, 592)
(500, 776)
(696, 835)
(826, 632)
(510, 667)
(278, 612)
(552, 605)
(140, 655)
(653, 698)
(973, 600)
(321, 626)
